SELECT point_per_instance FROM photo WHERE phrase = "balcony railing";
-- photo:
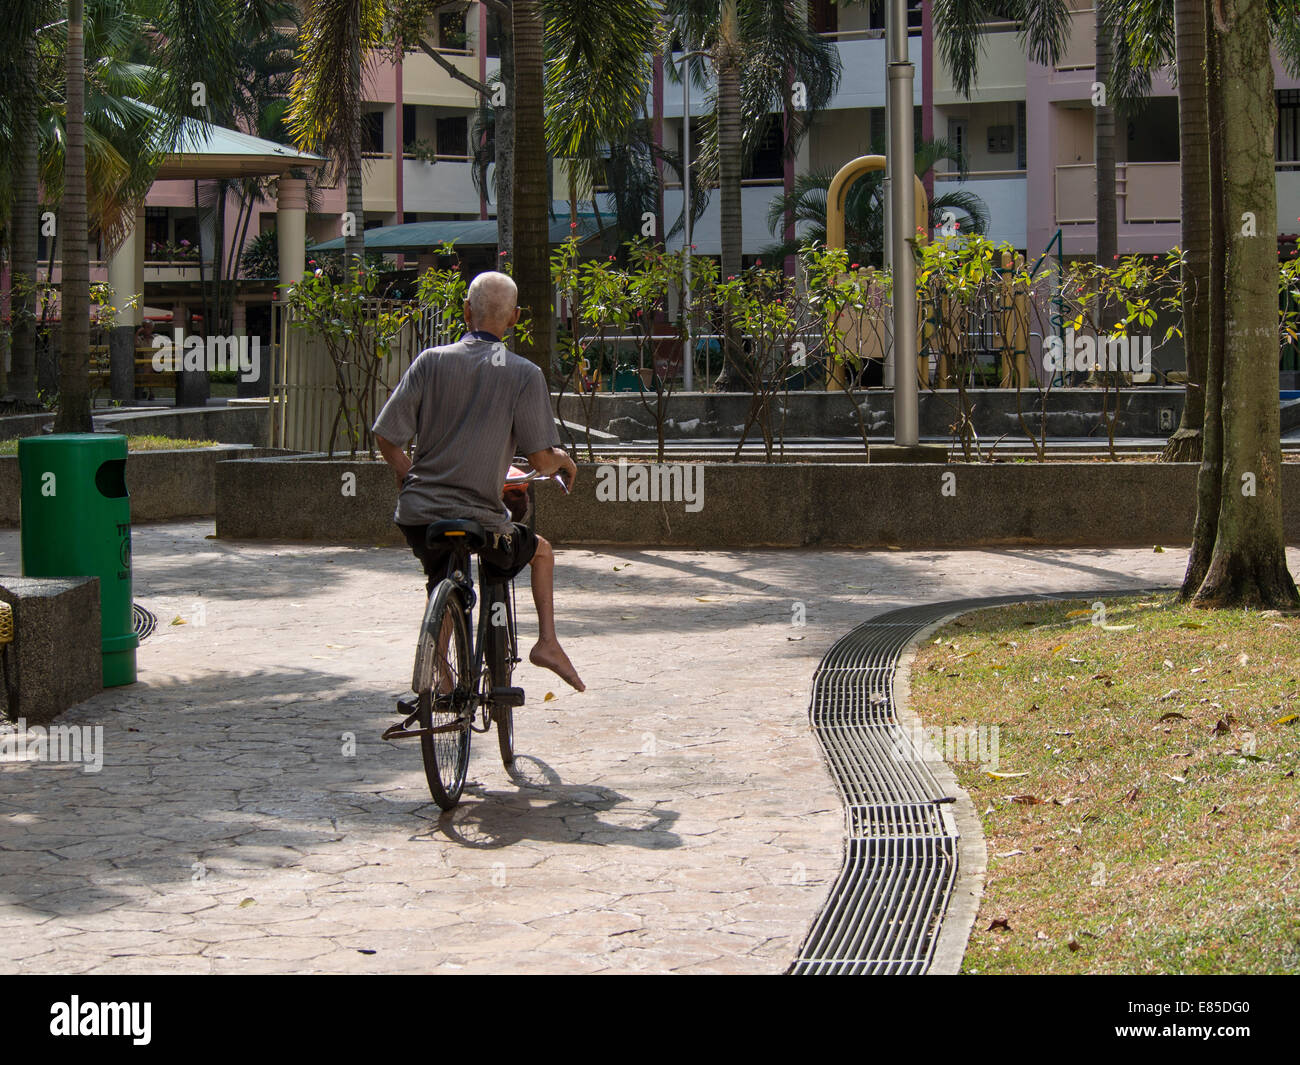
(1146, 193)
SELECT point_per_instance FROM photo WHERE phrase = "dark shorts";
(504, 555)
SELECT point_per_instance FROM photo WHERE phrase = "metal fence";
(304, 379)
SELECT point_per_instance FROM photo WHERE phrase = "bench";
(145, 375)
(56, 658)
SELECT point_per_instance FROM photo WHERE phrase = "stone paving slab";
(675, 817)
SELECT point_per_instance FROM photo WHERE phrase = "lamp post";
(902, 205)
(688, 357)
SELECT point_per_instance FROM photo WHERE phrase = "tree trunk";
(1208, 482)
(23, 249)
(1248, 567)
(531, 252)
(1104, 149)
(727, 63)
(505, 147)
(354, 245)
(1194, 155)
(74, 362)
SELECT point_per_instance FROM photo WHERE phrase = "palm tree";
(760, 50)
(74, 304)
(864, 219)
(325, 114)
(20, 107)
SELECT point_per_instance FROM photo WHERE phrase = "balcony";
(424, 82)
(999, 75)
(1146, 193)
(1004, 193)
(755, 197)
(379, 182)
(445, 187)
(1081, 51)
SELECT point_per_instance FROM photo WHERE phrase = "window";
(1021, 155)
(408, 126)
(372, 132)
(768, 162)
(493, 43)
(878, 14)
(1288, 126)
(957, 136)
(451, 30)
(823, 16)
(453, 136)
(155, 228)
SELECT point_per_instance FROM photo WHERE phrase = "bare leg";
(547, 652)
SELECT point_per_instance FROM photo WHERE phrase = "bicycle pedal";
(507, 696)
(407, 706)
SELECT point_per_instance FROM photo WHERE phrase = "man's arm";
(395, 456)
(552, 460)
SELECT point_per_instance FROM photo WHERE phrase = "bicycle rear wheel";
(444, 685)
(500, 667)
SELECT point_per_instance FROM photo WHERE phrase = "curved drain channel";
(900, 862)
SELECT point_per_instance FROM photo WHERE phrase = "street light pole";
(688, 357)
(902, 220)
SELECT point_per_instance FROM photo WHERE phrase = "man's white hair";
(492, 297)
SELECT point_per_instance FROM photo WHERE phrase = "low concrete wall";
(307, 498)
(237, 424)
(240, 423)
(753, 505)
(164, 485)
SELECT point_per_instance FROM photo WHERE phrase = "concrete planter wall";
(752, 505)
(243, 422)
(164, 485)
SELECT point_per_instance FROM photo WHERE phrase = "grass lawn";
(133, 443)
(1149, 815)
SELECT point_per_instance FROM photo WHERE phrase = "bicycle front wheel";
(444, 685)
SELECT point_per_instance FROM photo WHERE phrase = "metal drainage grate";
(143, 622)
(900, 861)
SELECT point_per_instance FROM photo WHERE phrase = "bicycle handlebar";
(535, 475)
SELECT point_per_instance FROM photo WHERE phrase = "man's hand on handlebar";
(554, 461)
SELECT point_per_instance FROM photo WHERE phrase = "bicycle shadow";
(544, 809)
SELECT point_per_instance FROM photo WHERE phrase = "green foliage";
(358, 329)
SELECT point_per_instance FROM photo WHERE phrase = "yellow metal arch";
(839, 194)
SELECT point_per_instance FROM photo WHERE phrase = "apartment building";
(1027, 132)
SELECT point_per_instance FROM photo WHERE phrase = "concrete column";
(192, 386)
(291, 230)
(126, 282)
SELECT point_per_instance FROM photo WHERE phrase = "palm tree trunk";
(74, 363)
(354, 244)
(505, 148)
(1194, 153)
(23, 248)
(1104, 119)
(531, 252)
(727, 63)
(1248, 566)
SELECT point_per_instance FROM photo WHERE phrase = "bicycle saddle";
(457, 531)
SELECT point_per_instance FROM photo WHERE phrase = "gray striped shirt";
(471, 407)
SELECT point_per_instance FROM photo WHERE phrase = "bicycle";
(461, 672)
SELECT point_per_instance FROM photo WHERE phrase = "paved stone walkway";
(247, 818)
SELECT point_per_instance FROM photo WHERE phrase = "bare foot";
(551, 656)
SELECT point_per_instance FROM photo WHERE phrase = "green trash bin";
(76, 522)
